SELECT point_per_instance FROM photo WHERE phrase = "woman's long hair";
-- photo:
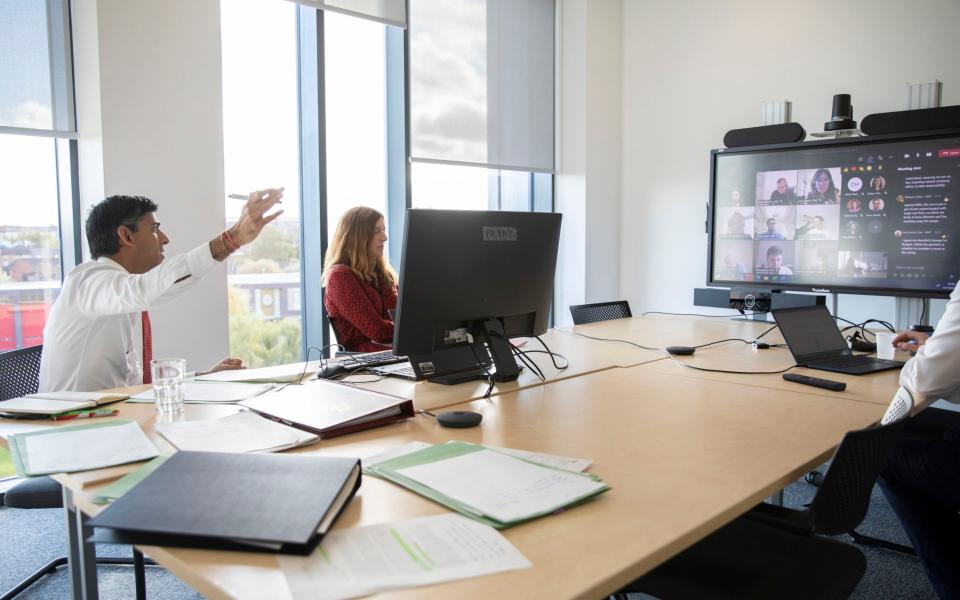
(350, 248)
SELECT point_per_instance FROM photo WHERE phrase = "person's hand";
(227, 364)
(909, 341)
(254, 216)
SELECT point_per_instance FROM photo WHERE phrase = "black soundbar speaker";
(754, 300)
(784, 133)
(713, 297)
(909, 121)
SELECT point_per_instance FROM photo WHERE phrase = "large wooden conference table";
(659, 436)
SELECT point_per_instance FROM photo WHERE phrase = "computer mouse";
(459, 419)
(680, 350)
(330, 369)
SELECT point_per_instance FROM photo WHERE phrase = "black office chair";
(771, 551)
(600, 311)
(21, 374)
(931, 423)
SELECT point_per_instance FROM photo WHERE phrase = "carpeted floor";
(32, 537)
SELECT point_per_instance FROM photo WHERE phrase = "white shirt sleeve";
(934, 373)
(103, 292)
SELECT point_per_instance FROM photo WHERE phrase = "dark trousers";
(922, 483)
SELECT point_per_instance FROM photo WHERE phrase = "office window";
(37, 209)
(356, 115)
(460, 187)
(261, 149)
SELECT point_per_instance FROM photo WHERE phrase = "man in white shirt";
(98, 332)
(922, 477)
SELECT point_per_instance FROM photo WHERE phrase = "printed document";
(242, 432)
(378, 558)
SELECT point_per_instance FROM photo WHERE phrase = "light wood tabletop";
(877, 388)
(582, 356)
(683, 457)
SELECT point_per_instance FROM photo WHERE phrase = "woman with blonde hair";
(361, 286)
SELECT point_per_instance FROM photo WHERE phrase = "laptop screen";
(810, 332)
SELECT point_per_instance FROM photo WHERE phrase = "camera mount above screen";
(871, 215)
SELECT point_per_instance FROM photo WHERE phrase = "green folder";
(21, 457)
(389, 470)
(123, 485)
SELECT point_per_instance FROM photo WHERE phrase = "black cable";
(552, 355)
(688, 366)
(534, 368)
(483, 368)
(590, 337)
(306, 361)
(923, 311)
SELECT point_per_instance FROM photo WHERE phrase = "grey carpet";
(32, 537)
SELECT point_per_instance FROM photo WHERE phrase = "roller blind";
(389, 12)
(482, 83)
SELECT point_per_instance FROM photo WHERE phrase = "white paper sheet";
(367, 560)
(88, 448)
(276, 374)
(501, 486)
(242, 432)
(204, 393)
(577, 465)
(392, 453)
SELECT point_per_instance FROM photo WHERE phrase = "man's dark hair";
(108, 215)
(774, 251)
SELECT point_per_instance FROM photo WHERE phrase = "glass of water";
(168, 374)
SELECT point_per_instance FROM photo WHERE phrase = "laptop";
(816, 343)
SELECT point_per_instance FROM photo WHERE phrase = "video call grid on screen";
(860, 214)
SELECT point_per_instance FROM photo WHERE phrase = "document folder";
(249, 502)
(330, 409)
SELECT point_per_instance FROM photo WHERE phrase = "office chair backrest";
(600, 311)
(20, 372)
(900, 407)
(844, 496)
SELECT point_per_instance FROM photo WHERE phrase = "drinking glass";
(168, 374)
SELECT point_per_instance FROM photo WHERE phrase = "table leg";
(81, 555)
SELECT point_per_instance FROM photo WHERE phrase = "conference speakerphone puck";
(827, 384)
(460, 419)
(680, 350)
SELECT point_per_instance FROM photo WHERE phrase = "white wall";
(589, 150)
(150, 122)
(693, 70)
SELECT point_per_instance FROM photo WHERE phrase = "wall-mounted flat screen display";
(861, 215)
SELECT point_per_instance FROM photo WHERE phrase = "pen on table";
(86, 414)
(238, 196)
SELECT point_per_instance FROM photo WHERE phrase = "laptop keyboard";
(857, 360)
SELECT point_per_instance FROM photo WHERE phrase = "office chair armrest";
(781, 517)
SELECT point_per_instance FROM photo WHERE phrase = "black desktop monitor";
(868, 215)
(469, 277)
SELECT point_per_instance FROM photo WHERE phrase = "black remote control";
(827, 384)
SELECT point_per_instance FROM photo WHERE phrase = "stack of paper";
(242, 432)
(79, 448)
(291, 373)
(378, 558)
(488, 485)
(54, 403)
(212, 393)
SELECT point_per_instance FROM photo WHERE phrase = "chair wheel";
(814, 478)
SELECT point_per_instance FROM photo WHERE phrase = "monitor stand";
(451, 366)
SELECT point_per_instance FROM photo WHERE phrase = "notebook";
(249, 502)
(54, 403)
(329, 409)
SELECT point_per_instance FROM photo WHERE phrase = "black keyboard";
(374, 359)
(857, 360)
